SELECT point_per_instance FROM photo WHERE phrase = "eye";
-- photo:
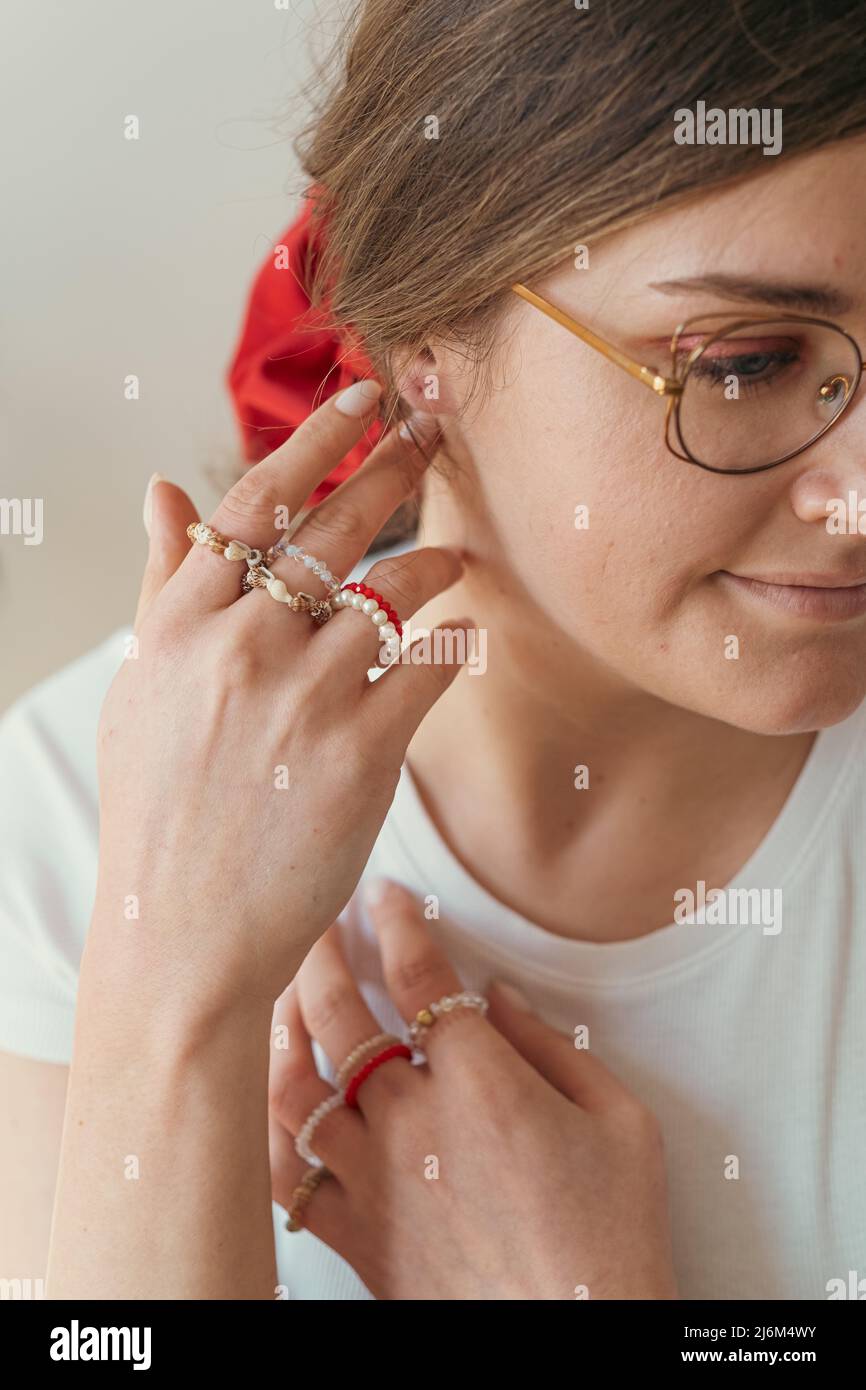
(753, 362)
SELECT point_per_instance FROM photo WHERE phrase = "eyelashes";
(756, 363)
(753, 370)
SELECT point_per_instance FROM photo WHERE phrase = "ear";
(429, 381)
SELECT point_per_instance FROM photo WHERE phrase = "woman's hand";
(246, 763)
(511, 1166)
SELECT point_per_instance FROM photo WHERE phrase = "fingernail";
(375, 890)
(359, 399)
(147, 509)
(512, 996)
(419, 427)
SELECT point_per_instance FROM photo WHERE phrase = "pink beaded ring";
(362, 597)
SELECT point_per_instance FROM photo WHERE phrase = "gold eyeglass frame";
(671, 387)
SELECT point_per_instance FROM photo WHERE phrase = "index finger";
(284, 479)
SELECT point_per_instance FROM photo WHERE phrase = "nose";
(820, 493)
(835, 481)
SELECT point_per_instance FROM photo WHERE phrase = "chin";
(794, 703)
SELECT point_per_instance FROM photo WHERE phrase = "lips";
(805, 581)
(825, 597)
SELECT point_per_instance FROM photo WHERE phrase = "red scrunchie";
(282, 359)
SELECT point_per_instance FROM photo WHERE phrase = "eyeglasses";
(743, 395)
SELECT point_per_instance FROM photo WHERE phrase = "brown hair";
(555, 127)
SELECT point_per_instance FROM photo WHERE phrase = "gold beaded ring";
(301, 1196)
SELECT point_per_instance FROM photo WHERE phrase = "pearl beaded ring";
(362, 597)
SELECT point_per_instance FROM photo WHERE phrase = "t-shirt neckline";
(781, 856)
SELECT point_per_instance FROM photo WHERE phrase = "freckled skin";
(635, 590)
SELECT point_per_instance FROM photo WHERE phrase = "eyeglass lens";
(763, 391)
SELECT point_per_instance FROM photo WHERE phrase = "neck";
(668, 796)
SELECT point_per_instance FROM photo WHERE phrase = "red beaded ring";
(371, 603)
(350, 1096)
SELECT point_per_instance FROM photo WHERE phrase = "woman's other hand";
(510, 1166)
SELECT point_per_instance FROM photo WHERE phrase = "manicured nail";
(375, 890)
(512, 996)
(147, 510)
(359, 399)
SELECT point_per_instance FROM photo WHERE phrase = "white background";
(124, 257)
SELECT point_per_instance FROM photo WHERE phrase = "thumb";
(574, 1071)
(167, 513)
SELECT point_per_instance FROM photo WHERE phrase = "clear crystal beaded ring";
(297, 552)
(425, 1018)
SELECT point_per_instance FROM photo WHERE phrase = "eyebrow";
(819, 299)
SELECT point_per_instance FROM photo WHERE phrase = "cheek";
(614, 539)
(636, 531)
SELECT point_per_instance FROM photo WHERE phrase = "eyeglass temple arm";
(662, 385)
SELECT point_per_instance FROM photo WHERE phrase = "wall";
(127, 257)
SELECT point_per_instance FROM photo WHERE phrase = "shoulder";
(49, 833)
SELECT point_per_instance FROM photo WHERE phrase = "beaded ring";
(360, 1054)
(297, 552)
(231, 550)
(302, 1194)
(425, 1018)
(258, 577)
(362, 597)
(308, 1128)
(372, 1064)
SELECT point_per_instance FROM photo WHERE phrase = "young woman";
(644, 810)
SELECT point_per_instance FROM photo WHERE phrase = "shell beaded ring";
(202, 534)
(259, 577)
(362, 597)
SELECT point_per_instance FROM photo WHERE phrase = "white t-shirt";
(749, 1045)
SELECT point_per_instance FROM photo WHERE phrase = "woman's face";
(644, 589)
